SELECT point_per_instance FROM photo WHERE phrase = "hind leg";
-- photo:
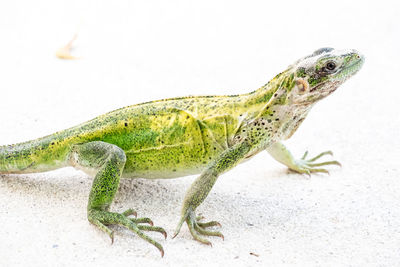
(108, 161)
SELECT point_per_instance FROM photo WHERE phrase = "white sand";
(133, 53)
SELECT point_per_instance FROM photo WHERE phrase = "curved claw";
(179, 226)
(112, 237)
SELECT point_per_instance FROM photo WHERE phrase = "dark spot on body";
(126, 124)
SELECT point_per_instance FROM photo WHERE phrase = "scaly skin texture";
(189, 135)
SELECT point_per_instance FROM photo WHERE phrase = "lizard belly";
(171, 160)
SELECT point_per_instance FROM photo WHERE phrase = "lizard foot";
(102, 218)
(309, 166)
(198, 228)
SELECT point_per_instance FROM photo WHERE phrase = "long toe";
(142, 220)
(320, 170)
(208, 224)
(320, 155)
(202, 231)
(153, 228)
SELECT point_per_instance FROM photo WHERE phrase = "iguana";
(206, 135)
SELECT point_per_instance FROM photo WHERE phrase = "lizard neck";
(272, 90)
(262, 95)
(269, 97)
(274, 107)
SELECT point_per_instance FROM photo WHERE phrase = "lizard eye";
(330, 65)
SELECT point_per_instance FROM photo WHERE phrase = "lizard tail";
(43, 154)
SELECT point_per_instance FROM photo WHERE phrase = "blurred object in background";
(65, 51)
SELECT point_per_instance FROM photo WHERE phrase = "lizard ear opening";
(302, 86)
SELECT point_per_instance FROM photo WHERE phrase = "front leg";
(202, 186)
(279, 152)
(108, 161)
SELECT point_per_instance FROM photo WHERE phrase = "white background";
(135, 51)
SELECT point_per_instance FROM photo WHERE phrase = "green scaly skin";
(184, 136)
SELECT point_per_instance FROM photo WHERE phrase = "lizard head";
(321, 73)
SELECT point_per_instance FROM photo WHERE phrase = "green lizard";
(205, 135)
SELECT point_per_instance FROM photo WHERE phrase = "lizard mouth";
(317, 87)
(322, 90)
